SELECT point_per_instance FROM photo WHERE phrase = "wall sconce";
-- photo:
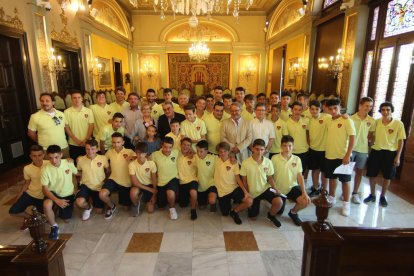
(74, 5)
(149, 70)
(248, 71)
(96, 68)
(335, 66)
(298, 68)
(54, 63)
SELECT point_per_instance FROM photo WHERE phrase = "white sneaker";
(173, 214)
(86, 214)
(341, 198)
(346, 209)
(332, 199)
(356, 199)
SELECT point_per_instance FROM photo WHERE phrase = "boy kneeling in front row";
(56, 178)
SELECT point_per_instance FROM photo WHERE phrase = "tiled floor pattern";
(151, 244)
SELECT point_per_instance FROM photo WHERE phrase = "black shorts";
(162, 192)
(184, 193)
(124, 197)
(316, 160)
(330, 166)
(65, 213)
(86, 193)
(267, 195)
(147, 195)
(202, 197)
(381, 160)
(304, 158)
(225, 202)
(76, 151)
(24, 201)
(293, 195)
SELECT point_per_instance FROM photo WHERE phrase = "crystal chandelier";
(199, 7)
(199, 51)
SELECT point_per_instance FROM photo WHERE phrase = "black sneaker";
(193, 214)
(280, 212)
(383, 201)
(235, 217)
(314, 192)
(54, 233)
(370, 198)
(213, 208)
(110, 212)
(273, 220)
(295, 218)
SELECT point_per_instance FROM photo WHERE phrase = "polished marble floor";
(154, 245)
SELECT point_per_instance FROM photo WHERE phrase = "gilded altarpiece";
(185, 73)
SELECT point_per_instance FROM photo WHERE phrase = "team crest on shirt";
(198, 128)
(208, 163)
(303, 126)
(278, 127)
(125, 155)
(108, 112)
(86, 115)
(390, 131)
(147, 169)
(189, 163)
(173, 159)
(321, 121)
(368, 124)
(228, 168)
(67, 171)
(99, 164)
(293, 164)
(155, 112)
(265, 169)
(339, 125)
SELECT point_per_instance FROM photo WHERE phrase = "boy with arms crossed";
(92, 167)
(193, 127)
(57, 186)
(257, 174)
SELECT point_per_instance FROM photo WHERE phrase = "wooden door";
(278, 69)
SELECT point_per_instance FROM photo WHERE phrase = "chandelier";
(335, 66)
(54, 63)
(199, 51)
(199, 7)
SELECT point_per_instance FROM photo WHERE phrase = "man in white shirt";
(131, 115)
(263, 128)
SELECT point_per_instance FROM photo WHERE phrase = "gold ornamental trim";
(64, 36)
(12, 22)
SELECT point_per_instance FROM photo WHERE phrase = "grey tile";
(210, 261)
(113, 243)
(132, 263)
(281, 262)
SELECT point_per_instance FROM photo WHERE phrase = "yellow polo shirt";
(93, 171)
(59, 179)
(142, 171)
(102, 115)
(177, 140)
(187, 169)
(247, 116)
(286, 172)
(285, 114)
(213, 132)
(225, 115)
(119, 165)
(79, 122)
(177, 109)
(119, 108)
(337, 137)
(280, 128)
(306, 113)
(166, 165)
(257, 175)
(362, 128)
(318, 129)
(105, 134)
(156, 111)
(49, 131)
(387, 136)
(205, 171)
(32, 173)
(298, 131)
(225, 176)
(193, 130)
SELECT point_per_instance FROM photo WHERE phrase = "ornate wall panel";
(248, 79)
(149, 72)
(42, 51)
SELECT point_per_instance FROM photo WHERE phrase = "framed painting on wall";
(292, 77)
(105, 76)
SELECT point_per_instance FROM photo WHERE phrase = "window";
(327, 3)
(383, 78)
(374, 24)
(367, 73)
(399, 18)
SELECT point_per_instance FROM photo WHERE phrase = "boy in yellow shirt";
(175, 133)
(339, 144)
(280, 129)
(229, 185)
(187, 173)
(364, 126)
(257, 174)
(92, 167)
(119, 180)
(193, 127)
(105, 133)
(289, 180)
(167, 187)
(31, 193)
(207, 192)
(143, 175)
(386, 151)
(285, 111)
(57, 186)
